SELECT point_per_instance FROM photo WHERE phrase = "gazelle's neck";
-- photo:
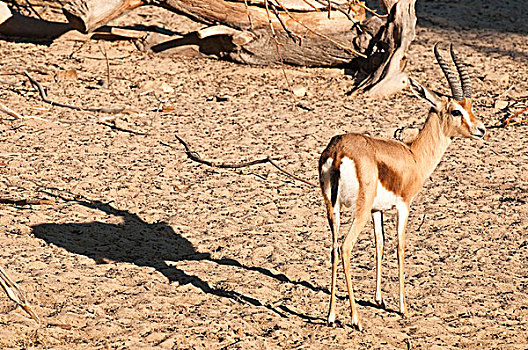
(430, 145)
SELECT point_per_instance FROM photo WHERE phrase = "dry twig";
(107, 64)
(45, 98)
(21, 202)
(311, 5)
(248, 14)
(271, 160)
(16, 115)
(9, 111)
(351, 3)
(293, 36)
(510, 122)
(14, 293)
(277, 46)
(370, 10)
(421, 223)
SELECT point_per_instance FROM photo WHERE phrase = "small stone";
(155, 85)
(166, 88)
(499, 104)
(299, 90)
(147, 86)
(102, 82)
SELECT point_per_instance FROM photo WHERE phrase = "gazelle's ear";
(425, 93)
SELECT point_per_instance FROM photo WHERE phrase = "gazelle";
(372, 175)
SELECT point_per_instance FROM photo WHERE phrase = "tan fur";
(401, 169)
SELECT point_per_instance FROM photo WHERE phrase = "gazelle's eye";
(456, 113)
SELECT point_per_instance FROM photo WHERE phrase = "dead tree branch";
(510, 120)
(9, 111)
(194, 156)
(14, 293)
(22, 202)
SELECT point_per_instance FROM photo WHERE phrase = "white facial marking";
(465, 114)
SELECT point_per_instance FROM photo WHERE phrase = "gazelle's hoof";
(358, 326)
(331, 320)
(356, 323)
(381, 304)
(403, 309)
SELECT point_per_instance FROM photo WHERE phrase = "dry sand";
(146, 248)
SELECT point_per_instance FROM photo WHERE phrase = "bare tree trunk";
(307, 37)
(88, 15)
(309, 33)
(396, 37)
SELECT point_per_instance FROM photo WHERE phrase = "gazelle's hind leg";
(330, 187)
(377, 218)
(363, 208)
(333, 219)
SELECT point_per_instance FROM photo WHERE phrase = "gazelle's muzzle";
(478, 130)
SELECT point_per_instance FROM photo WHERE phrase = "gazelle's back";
(353, 158)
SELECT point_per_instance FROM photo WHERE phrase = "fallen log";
(308, 36)
(304, 32)
(297, 32)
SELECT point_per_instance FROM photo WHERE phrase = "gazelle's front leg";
(403, 215)
(377, 218)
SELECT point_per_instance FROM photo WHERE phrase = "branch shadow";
(153, 245)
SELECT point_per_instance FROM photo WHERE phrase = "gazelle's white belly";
(385, 199)
(349, 186)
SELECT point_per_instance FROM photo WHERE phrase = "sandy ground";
(146, 248)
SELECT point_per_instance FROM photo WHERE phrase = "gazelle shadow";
(144, 244)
